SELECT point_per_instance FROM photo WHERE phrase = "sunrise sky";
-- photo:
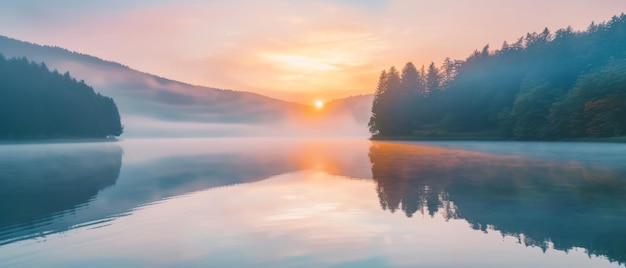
(295, 50)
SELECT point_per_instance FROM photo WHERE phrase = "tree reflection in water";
(43, 183)
(559, 204)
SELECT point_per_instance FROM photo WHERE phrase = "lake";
(312, 203)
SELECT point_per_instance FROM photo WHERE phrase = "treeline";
(38, 103)
(567, 84)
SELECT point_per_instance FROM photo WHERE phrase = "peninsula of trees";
(543, 86)
(36, 103)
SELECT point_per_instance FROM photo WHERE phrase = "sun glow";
(302, 63)
(319, 104)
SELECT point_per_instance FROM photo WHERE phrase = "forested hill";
(38, 103)
(566, 84)
(142, 95)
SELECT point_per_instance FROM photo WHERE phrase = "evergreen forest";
(36, 103)
(543, 86)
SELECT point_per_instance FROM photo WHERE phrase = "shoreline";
(621, 139)
(56, 140)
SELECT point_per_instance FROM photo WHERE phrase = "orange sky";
(294, 50)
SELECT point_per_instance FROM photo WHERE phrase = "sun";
(319, 104)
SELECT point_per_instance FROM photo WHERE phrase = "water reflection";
(42, 183)
(177, 167)
(51, 188)
(542, 202)
(215, 202)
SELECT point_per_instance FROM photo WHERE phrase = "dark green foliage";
(596, 106)
(38, 103)
(388, 101)
(545, 85)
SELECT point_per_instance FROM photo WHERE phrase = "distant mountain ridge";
(145, 95)
(145, 100)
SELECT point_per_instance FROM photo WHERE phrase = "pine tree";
(410, 79)
(378, 108)
(449, 71)
(433, 78)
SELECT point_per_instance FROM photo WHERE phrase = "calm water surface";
(305, 203)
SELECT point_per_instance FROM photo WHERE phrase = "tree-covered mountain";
(146, 95)
(158, 107)
(38, 103)
(567, 84)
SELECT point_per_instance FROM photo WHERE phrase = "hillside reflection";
(40, 183)
(52, 188)
(544, 203)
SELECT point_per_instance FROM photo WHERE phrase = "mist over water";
(285, 202)
(330, 126)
